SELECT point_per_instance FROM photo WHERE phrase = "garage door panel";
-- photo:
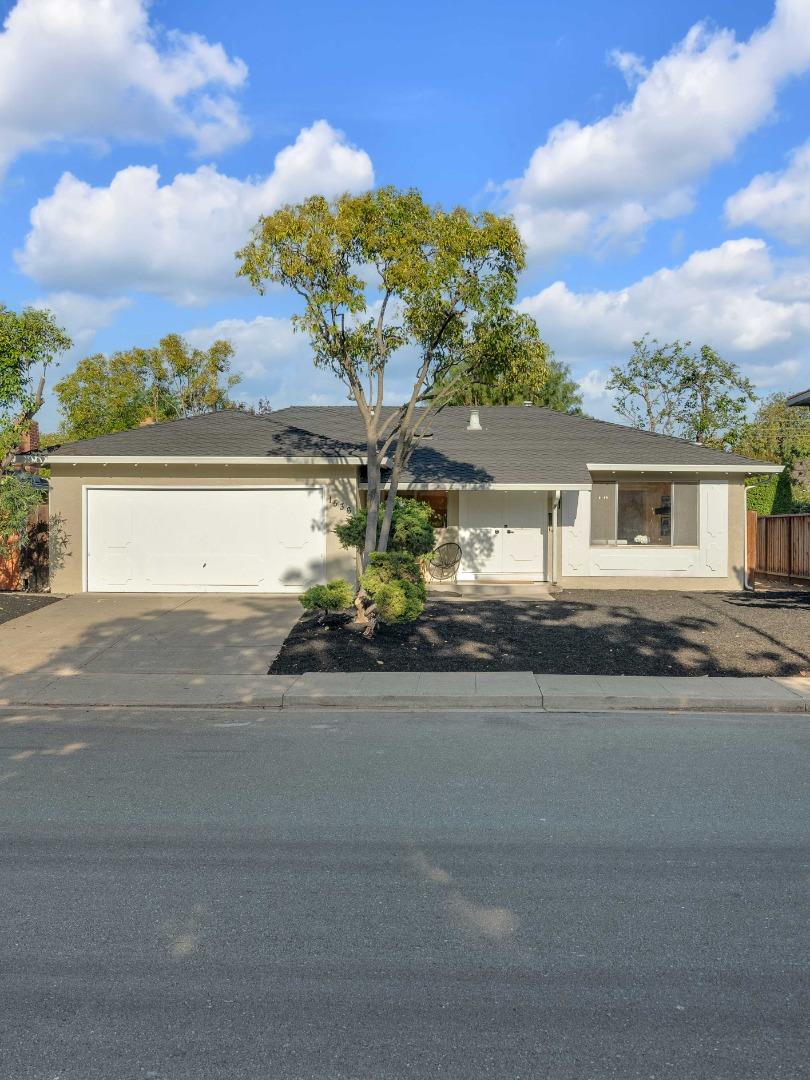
(202, 539)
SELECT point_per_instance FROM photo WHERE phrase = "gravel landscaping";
(12, 605)
(575, 633)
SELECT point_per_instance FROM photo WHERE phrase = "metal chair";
(443, 563)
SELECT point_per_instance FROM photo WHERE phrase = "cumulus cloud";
(779, 202)
(601, 184)
(735, 297)
(94, 70)
(176, 240)
(82, 316)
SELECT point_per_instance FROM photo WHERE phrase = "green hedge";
(770, 494)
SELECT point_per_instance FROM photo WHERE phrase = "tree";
(646, 390)
(172, 380)
(29, 342)
(383, 276)
(776, 433)
(713, 398)
(670, 390)
(550, 384)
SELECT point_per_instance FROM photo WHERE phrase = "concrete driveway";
(149, 634)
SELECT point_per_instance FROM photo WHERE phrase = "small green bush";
(394, 582)
(771, 495)
(411, 528)
(335, 596)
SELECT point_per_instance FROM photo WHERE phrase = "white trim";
(486, 487)
(745, 470)
(203, 487)
(66, 459)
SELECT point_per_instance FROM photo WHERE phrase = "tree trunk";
(372, 502)
(385, 530)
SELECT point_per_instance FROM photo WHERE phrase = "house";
(234, 502)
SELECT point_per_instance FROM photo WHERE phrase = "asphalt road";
(317, 895)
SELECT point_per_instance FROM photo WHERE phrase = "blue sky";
(655, 156)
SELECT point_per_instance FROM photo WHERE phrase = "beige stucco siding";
(66, 502)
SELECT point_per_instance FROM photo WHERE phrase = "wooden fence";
(779, 546)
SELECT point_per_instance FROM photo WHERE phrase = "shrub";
(411, 528)
(335, 596)
(394, 582)
(771, 495)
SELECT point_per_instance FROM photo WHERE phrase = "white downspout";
(555, 536)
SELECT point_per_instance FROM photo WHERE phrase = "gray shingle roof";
(517, 444)
(802, 398)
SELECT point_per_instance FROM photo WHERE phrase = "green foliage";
(548, 384)
(668, 389)
(411, 528)
(29, 343)
(778, 432)
(18, 499)
(394, 582)
(336, 595)
(112, 393)
(770, 494)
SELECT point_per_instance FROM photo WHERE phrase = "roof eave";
(208, 459)
(646, 467)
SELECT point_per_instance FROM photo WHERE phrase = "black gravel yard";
(13, 604)
(575, 633)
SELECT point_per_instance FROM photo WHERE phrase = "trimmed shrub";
(411, 528)
(335, 596)
(771, 495)
(394, 582)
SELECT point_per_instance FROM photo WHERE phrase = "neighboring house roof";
(802, 398)
(516, 444)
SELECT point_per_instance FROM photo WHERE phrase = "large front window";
(644, 512)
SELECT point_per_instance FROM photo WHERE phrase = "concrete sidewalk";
(411, 690)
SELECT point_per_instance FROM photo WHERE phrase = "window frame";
(673, 484)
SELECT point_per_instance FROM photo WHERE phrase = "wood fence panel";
(783, 545)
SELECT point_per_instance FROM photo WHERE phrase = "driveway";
(149, 634)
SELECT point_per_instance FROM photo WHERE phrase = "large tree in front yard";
(385, 277)
(30, 341)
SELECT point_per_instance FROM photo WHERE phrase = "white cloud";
(593, 185)
(735, 297)
(778, 202)
(93, 70)
(82, 316)
(176, 240)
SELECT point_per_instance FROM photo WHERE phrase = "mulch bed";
(12, 605)
(576, 633)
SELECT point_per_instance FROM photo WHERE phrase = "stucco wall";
(67, 481)
(717, 562)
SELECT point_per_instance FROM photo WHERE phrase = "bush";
(411, 528)
(335, 596)
(394, 582)
(771, 495)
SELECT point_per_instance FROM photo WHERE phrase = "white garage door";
(204, 539)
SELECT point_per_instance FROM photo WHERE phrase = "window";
(645, 513)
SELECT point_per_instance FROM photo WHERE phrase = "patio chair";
(443, 563)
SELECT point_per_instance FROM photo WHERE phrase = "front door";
(502, 533)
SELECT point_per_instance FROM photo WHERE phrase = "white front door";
(199, 539)
(503, 533)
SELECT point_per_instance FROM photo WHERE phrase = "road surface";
(245, 894)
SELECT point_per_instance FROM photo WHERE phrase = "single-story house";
(234, 502)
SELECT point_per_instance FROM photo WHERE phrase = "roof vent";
(474, 423)
(528, 404)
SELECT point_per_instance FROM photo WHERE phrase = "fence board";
(782, 546)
